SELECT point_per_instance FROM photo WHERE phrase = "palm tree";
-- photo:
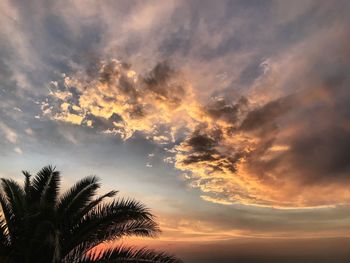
(38, 225)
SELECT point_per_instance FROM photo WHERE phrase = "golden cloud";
(246, 150)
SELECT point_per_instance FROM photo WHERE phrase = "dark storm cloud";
(159, 82)
(202, 147)
(206, 146)
(318, 151)
(267, 114)
(228, 112)
(202, 150)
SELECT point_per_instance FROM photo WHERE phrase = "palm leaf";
(94, 203)
(51, 190)
(15, 196)
(144, 228)
(123, 254)
(45, 186)
(108, 221)
(4, 237)
(27, 185)
(77, 198)
(7, 212)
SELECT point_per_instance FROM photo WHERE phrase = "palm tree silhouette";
(38, 225)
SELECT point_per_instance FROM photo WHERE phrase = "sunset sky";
(229, 119)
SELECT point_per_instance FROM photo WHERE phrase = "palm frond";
(144, 228)
(7, 212)
(124, 254)
(108, 221)
(51, 190)
(15, 196)
(126, 207)
(4, 237)
(76, 254)
(77, 197)
(45, 186)
(27, 184)
(96, 202)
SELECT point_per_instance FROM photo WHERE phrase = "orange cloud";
(255, 150)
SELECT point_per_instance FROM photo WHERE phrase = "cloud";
(122, 102)
(18, 150)
(253, 111)
(10, 134)
(251, 149)
(236, 152)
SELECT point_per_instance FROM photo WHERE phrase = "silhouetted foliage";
(38, 225)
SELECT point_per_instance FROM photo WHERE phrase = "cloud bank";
(282, 143)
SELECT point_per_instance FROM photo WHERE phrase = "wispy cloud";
(10, 134)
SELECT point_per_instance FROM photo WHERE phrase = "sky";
(229, 119)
